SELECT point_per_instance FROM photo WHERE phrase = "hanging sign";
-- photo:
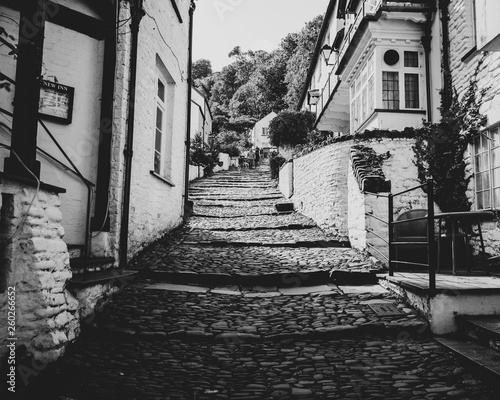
(56, 102)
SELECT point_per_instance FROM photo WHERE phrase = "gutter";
(426, 43)
(447, 89)
(187, 208)
(137, 14)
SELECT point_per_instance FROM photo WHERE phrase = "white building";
(260, 134)
(201, 117)
(108, 132)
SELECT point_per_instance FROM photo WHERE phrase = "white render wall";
(75, 60)
(257, 139)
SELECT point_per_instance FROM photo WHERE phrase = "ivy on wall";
(439, 148)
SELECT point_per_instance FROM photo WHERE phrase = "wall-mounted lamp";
(326, 52)
(313, 97)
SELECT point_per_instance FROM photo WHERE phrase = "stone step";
(484, 362)
(82, 265)
(484, 329)
(281, 280)
(289, 244)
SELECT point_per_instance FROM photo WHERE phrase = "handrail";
(431, 259)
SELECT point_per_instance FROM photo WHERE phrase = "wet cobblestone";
(251, 222)
(264, 236)
(344, 369)
(260, 313)
(257, 260)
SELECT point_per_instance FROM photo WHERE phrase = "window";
(411, 59)
(411, 91)
(163, 118)
(265, 131)
(390, 90)
(487, 169)
(160, 126)
(362, 95)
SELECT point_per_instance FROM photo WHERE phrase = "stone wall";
(36, 263)
(322, 191)
(461, 42)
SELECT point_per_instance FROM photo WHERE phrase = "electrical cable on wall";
(166, 44)
(23, 219)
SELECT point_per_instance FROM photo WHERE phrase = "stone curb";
(400, 330)
(288, 227)
(295, 244)
(270, 214)
(282, 280)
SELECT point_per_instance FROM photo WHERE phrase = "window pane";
(411, 91)
(390, 90)
(496, 177)
(496, 198)
(495, 157)
(161, 90)
(411, 59)
(158, 141)
(159, 119)
(157, 165)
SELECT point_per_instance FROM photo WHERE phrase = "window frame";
(161, 105)
(493, 146)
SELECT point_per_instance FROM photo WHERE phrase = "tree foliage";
(291, 128)
(255, 83)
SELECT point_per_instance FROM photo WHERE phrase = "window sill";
(162, 178)
(401, 111)
(469, 54)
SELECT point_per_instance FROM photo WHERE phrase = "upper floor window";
(265, 131)
(487, 169)
(396, 73)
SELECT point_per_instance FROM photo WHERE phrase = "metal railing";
(392, 242)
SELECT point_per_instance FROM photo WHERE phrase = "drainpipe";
(137, 14)
(186, 210)
(426, 43)
(447, 90)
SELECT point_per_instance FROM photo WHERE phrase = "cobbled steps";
(259, 309)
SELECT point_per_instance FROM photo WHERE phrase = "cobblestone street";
(247, 303)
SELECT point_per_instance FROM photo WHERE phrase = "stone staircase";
(477, 342)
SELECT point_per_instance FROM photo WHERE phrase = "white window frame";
(161, 104)
(164, 168)
(402, 71)
(491, 137)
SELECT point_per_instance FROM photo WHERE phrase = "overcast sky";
(220, 25)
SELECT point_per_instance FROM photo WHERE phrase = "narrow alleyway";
(238, 304)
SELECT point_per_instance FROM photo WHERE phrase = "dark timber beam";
(27, 96)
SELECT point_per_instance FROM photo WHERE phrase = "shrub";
(275, 164)
(290, 128)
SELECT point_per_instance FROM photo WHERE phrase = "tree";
(202, 68)
(298, 63)
(291, 128)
